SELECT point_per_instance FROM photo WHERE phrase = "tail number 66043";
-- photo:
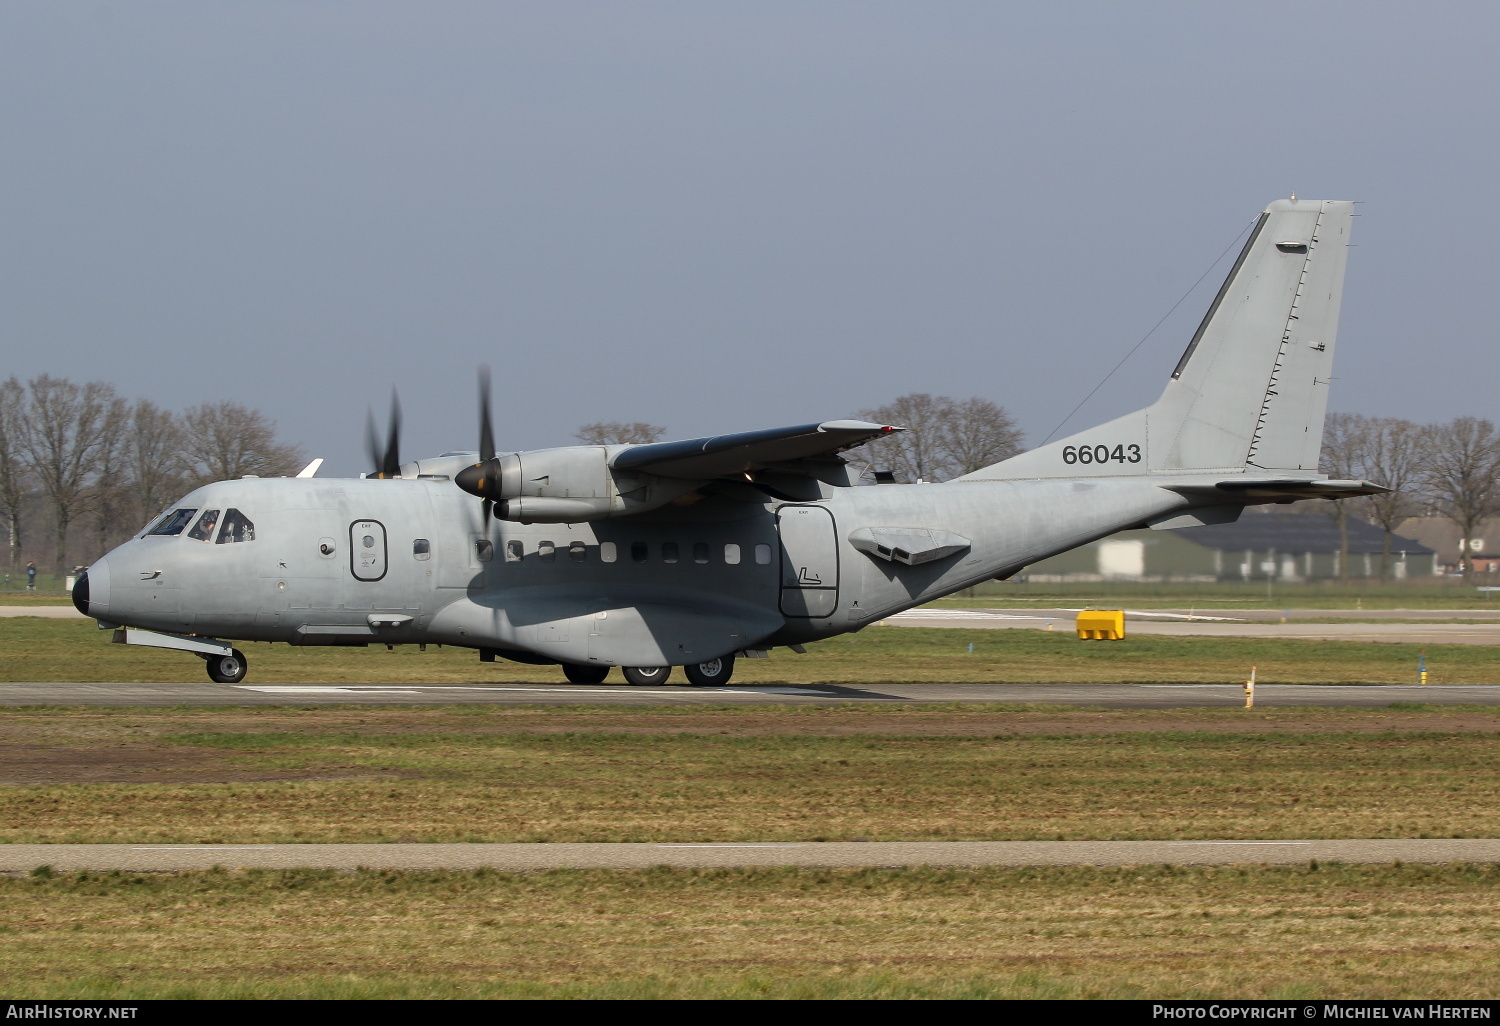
(1101, 454)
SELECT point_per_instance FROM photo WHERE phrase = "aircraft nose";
(91, 593)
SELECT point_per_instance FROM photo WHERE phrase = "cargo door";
(809, 561)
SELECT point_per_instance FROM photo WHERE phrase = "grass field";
(1427, 593)
(703, 773)
(36, 649)
(1150, 932)
(496, 773)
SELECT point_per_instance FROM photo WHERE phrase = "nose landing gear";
(227, 669)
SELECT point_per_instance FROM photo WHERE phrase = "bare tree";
(223, 441)
(154, 455)
(943, 438)
(12, 463)
(1394, 456)
(62, 430)
(109, 498)
(915, 454)
(617, 433)
(977, 434)
(1345, 450)
(1463, 476)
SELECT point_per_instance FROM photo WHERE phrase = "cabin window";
(546, 551)
(421, 548)
(731, 553)
(639, 552)
(607, 552)
(204, 529)
(173, 522)
(669, 552)
(763, 555)
(700, 552)
(484, 549)
(514, 550)
(238, 528)
(577, 551)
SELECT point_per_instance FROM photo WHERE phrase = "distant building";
(1284, 546)
(1442, 534)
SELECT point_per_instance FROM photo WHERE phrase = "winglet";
(311, 469)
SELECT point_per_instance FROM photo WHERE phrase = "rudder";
(1251, 390)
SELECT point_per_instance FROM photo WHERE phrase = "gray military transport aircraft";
(696, 552)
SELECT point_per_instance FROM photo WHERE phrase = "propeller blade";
(486, 431)
(390, 466)
(387, 461)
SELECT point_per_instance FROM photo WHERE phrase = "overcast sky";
(722, 216)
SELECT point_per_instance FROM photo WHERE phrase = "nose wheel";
(227, 669)
(712, 673)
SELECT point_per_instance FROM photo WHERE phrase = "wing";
(737, 454)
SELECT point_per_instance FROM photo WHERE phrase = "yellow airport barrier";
(1101, 625)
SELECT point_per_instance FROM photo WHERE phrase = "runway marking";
(1189, 617)
(376, 689)
(281, 690)
(212, 847)
(956, 614)
(1327, 687)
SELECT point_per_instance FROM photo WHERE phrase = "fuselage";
(348, 562)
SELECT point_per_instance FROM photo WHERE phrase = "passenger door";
(367, 550)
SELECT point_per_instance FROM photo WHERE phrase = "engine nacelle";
(575, 483)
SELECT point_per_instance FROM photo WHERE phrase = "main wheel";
(710, 674)
(228, 669)
(580, 673)
(639, 675)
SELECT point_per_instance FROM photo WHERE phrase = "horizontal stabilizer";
(1270, 488)
(731, 455)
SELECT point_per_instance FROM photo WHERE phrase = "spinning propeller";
(483, 478)
(387, 463)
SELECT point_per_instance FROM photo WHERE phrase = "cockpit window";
(237, 528)
(203, 530)
(174, 522)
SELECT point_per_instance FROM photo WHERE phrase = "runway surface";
(21, 858)
(1110, 696)
(1382, 626)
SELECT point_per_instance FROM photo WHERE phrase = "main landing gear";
(643, 675)
(227, 669)
(581, 674)
(712, 673)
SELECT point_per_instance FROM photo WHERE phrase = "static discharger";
(1250, 690)
(1101, 625)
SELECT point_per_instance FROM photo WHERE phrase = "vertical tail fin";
(1251, 390)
